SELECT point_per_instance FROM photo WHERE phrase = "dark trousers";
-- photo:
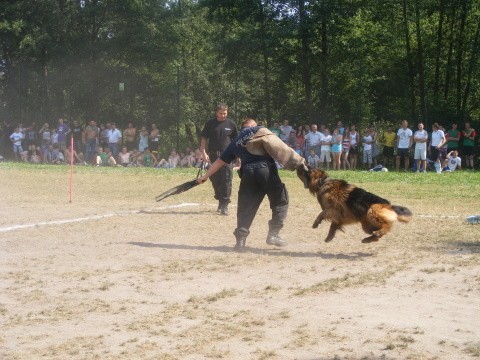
(260, 179)
(222, 183)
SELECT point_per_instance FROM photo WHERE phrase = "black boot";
(222, 209)
(241, 236)
(274, 239)
(240, 245)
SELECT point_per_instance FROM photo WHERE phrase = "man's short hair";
(221, 107)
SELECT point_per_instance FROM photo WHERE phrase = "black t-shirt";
(77, 133)
(238, 148)
(219, 134)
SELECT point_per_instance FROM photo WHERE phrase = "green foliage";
(319, 61)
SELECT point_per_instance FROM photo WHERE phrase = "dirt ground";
(115, 275)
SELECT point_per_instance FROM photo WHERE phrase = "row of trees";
(170, 62)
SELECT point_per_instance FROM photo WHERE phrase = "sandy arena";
(115, 275)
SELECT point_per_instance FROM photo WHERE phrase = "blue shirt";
(238, 148)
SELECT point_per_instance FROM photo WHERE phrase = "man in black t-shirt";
(215, 138)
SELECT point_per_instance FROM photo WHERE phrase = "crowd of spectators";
(337, 148)
(346, 148)
(93, 144)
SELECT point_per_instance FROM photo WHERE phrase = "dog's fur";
(343, 203)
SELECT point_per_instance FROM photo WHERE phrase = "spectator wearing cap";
(114, 139)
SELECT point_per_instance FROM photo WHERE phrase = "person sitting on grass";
(452, 162)
(105, 158)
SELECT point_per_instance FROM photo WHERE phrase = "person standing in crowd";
(62, 130)
(345, 149)
(313, 160)
(143, 139)
(77, 133)
(91, 138)
(31, 135)
(276, 129)
(404, 144)
(453, 137)
(300, 135)
(114, 140)
(325, 149)
(285, 131)
(313, 139)
(154, 139)
(103, 135)
(420, 155)
(45, 135)
(216, 136)
(340, 127)
(468, 149)
(16, 138)
(367, 141)
(336, 150)
(388, 141)
(354, 142)
(259, 177)
(436, 142)
(130, 134)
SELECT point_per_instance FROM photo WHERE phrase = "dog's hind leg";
(318, 220)
(331, 233)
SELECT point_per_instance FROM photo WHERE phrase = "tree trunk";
(420, 65)
(471, 67)
(459, 57)
(305, 57)
(46, 113)
(438, 52)
(324, 106)
(411, 73)
(448, 70)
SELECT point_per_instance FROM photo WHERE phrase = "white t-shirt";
(327, 139)
(420, 135)
(286, 129)
(404, 136)
(17, 138)
(365, 145)
(437, 137)
(454, 162)
(114, 136)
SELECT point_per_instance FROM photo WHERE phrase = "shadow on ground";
(268, 252)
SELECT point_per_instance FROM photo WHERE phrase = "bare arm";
(203, 145)
(217, 165)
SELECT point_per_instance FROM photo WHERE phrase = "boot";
(276, 240)
(222, 209)
(241, 236)
(240, 245)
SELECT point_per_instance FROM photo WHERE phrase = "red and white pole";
(71, 169)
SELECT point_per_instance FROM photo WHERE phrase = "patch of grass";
(433, 270)
(264, 354)
(348, 280)
(473, 350)
(221, 295)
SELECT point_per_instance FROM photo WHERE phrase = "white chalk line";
(98, 217)
(90, 218)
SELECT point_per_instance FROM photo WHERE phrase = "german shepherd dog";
(343, 204)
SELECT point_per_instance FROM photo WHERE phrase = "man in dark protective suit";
(259, 177)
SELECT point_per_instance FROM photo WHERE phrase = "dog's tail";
(403, 214)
